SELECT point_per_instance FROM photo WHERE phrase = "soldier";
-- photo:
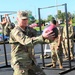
(71, 43)
(7, 24)
(56, 48)
(63, 44)
(23, 40)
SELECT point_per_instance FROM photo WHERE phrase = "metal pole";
(56, 7)
(67, 35)
(39, 20)
(8, 11)
(56, 10)
(52, 6)
(40, 33)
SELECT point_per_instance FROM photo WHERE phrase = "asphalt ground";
(6, 70)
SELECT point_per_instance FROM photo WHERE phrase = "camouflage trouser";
(63, 47)
(71, 52)
(56, 54)
(21, 69)
(71, 47)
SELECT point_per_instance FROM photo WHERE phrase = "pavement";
(5, 68)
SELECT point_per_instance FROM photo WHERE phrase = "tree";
(73, 18)
(31, 17)
(62, 15)
(50, 17)
(59, 14)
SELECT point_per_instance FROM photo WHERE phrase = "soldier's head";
(53, 22)
(22, 18)
(4, 20)
(69, 21)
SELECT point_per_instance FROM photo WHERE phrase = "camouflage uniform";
(22, 58)
(71, 43)
(63, 43)
(7, 28)
(56, 54)
(7, 25)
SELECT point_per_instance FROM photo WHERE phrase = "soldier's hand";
(5, 15)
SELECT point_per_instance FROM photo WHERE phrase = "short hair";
(68, 20)
(3, 18)
(54, 21)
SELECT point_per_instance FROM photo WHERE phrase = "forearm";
(23, 39)
(2, 22)
(8, 19)
(38, 40)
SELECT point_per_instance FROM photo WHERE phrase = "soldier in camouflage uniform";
(23, 39)
(71, 43)
(56, 48)
(7, 25)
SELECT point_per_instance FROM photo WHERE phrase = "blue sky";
(33, 5)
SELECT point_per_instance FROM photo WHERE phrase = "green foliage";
(38, 28)
(42, 27)
(30, 17)
(50, 17)
(73, 24)
(73, 20)
(60, 15)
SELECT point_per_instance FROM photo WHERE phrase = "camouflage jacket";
(22, 43)
(70, 32)
(7, 28)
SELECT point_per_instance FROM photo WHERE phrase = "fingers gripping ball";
(52, 28)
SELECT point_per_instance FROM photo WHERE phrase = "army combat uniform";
(22, 58)
(56, 54)
(7, 28)
(71, 43)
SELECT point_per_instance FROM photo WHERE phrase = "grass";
(38, 28)
(42, 27)
(72, 24)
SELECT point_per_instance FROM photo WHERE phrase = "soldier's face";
(4, 20)
(23, 22)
